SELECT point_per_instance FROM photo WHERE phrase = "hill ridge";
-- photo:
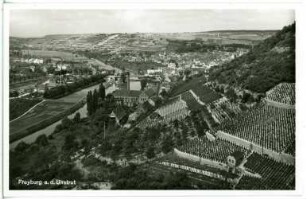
(263, 67)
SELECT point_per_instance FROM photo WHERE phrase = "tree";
(89, 103)
(178, 180)
(167, 144)
(187, 73)
(42, 140)
(123, 77)
(66, 123)
(158, 102)
(44, 157)
(102, 91)
(95, 100)
(176, 123)
(179, 140)
(143, 83)
(150, 153)
(246, 97)
(163, 93)
(68, 171)
(109, 101)
(58, 128)
(85, 143)
(77, 117)
(231, 94)
(70, 142)
(21, 147)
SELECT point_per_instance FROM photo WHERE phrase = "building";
(174, 109)
(154, 71)
(32, 61)
(132, 97)
(172, 65)
(126, 97)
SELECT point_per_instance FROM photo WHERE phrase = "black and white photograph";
(151, 99)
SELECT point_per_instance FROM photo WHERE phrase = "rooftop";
(126, 93)
(150, 92)
(191, 102)
(119, 112)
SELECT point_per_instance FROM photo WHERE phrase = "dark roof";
(239, 156)
(119, 112)
(172, 100)
(126, 93)
(206, 94)
(191, 102)
(150, 92)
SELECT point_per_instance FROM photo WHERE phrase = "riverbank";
(65, 90)
(46, 122)
(22, 106)
(47, 130)
(47, 113)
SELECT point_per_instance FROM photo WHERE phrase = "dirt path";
(28, 111)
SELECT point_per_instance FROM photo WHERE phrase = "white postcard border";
(301, 97)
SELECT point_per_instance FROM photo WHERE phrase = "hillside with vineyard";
(263, 134)
(269, 63)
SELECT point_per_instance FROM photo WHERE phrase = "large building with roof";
(132, 97)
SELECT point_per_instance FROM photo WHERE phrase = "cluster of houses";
(29, 60)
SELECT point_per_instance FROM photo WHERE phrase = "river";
(49, 129)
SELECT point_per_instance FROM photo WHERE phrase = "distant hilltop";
(242, 31)
(147, 33)
(127, 42)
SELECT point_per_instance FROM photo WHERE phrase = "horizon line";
(110, 33)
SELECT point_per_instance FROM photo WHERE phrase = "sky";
(38, 23)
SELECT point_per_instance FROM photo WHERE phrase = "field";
(227, 36)
(45, 114)
(102, 65)
(274, 175)
(19, 106)
(265, 125)
(283, 93)
(153, 42)
(217, 150)
(67, 56)
(38, 115)
(207, 182)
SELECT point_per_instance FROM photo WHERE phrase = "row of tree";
(60, 91)
(95, 99)
(185, 46)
